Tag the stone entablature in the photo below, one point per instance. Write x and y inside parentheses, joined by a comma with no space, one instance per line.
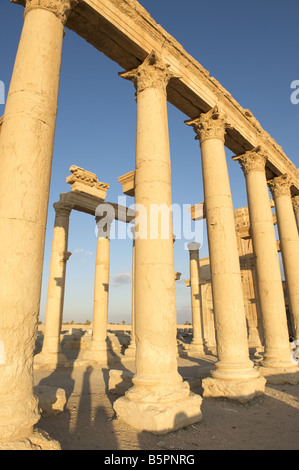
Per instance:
(128,183)
(88,204)
(194,92)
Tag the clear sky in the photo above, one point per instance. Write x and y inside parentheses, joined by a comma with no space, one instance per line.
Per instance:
(249,46)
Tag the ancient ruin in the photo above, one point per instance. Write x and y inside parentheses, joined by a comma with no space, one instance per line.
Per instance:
(238,297)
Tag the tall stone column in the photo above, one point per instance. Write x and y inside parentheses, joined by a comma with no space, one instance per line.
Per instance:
(98,351)
(234,375)
(276,363)
(280,188)
(26,147)
(131,350)
(295,200)
(159,400)
(51,354)
(197,343)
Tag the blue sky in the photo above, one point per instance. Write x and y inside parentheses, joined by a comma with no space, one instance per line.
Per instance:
(250,47)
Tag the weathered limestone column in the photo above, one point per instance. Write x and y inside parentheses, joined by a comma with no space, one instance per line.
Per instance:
(51,355)
(26,147)
(234,376)
(197,343)
(159,400)
(295,200)
(280,188)
(98,351)
(131,350)
(276,363)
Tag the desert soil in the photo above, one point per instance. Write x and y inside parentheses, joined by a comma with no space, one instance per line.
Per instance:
(270,422)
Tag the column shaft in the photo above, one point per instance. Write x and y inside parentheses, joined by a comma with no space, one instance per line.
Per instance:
(197,344)
(26,147)
(98,351)
(155,277)
(296,209)
(277,358)
(159,401)
(51,351)
(234,375)
(289,242)
(131,350)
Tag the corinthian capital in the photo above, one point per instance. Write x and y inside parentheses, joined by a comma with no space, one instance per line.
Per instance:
(211,125)
(253,160)
(62,209)
(60,8)
(280,186)
(152,73)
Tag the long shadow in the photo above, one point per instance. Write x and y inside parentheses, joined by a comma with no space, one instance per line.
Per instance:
(93,429)
(125,375)
(59,426)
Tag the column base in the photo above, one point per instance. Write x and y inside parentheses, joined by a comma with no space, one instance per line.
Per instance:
(159,418)
(240,382)
(196,349)
(98,353)
(39,440)
(48,360)
(239,390)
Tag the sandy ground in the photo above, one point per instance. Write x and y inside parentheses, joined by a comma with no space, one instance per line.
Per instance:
(270,422)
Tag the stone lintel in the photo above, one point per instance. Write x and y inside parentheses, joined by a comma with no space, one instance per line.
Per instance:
(88,204)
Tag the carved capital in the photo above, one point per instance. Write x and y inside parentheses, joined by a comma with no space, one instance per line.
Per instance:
(211,125)
(152,73)
(60,8)
(295,200)
(193,246)
(280,186)
(62,209)
(65,256)
(253,160)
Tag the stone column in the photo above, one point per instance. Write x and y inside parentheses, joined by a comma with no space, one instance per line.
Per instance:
(26,147)
(51,355)
(276,363)
(98,351)
(296,209)
(234,375)
(197,344)
(159,400)
(131,350)
(280,188)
